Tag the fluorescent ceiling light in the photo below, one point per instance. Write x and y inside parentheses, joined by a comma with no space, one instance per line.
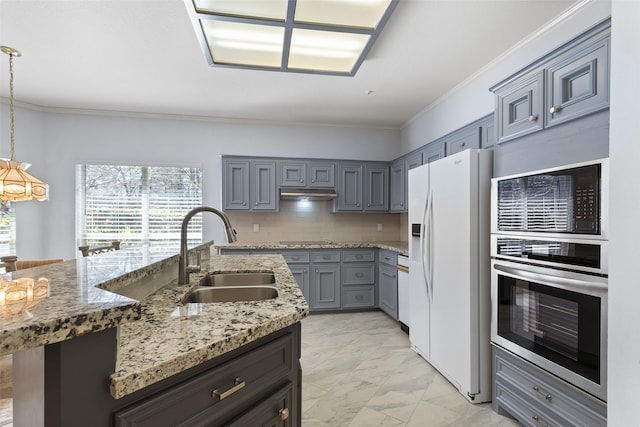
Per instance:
(309,36)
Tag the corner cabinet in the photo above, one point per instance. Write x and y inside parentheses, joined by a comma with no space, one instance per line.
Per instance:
(249,184)
(569,83)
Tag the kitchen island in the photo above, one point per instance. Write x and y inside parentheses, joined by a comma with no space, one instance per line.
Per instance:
(106,368)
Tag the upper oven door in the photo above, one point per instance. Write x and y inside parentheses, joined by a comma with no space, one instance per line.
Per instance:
(570,200)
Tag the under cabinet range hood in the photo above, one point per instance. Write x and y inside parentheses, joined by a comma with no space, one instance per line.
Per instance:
(307,193)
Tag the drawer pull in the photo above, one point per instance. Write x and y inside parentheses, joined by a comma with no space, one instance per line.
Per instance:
(533,118)
(537,390)
(238,384)
(359,256)
(359,274)
(537,420)
(283,413)
(295,258)
(326,257)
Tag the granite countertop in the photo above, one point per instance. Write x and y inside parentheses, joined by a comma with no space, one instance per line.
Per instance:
(61,301)
(171,337)
(397,246)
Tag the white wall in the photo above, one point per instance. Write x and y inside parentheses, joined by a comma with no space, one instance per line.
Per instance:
(624,284)
(472,99)
(54,142)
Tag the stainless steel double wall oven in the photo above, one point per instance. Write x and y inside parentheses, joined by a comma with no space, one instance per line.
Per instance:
(550,270)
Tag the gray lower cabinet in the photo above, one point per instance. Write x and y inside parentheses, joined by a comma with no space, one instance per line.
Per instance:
(298,262)
(389,283)
(249,184)
(258,387)
(537,398)
(325,283)
(358,278)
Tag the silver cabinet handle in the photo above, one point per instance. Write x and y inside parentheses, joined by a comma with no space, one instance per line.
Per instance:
(301,180)
(368,204)
(537,390)
(533,118)
(313,180)
(554,109)
(238,384)
(244,203)
(295,258)
(463,144)
(256,203)
(317,271)
(358,204)
(283,413)
(359,274)
(359,257)
(537,420)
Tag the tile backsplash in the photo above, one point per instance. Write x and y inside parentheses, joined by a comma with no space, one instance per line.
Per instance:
(314,221)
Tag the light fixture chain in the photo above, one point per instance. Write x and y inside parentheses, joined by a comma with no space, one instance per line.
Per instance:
(11,105)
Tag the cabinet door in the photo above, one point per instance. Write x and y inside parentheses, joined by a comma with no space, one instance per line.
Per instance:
(578,84)
(412,160)
(350,187)
(376,188)
(488,135)
(397,190)
(292,174)
(466,138)
(301,274)
(325,286)
(389,290)
(236,184)
(321,175)
(432,152)
(263,186)
(519,107)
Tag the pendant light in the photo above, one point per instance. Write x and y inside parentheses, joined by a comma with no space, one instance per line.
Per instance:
(15,183)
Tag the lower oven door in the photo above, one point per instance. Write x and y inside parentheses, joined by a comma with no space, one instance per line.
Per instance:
(555,319)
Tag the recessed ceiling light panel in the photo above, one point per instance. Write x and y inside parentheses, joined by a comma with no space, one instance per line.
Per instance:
(309,36)
(345,13)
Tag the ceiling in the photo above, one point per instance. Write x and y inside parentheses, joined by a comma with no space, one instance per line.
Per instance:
(143,56)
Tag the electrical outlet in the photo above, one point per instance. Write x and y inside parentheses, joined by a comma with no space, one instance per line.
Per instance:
(379,227)
(256,228)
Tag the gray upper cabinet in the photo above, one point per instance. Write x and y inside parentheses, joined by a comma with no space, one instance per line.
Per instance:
(569,83)
(398,182)
(235,184)
(249,184)
(519,107)
(311,174)
(376,187)
(292,174)
(487,132)
(578,83)
(321,174)
(433,151)
(349,187)
(467,137)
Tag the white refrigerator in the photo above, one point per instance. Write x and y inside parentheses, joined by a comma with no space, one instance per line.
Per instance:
(449,272)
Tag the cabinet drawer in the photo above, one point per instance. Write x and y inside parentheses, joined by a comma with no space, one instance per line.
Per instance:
(325,256)
(358,274)
(358,296)
(234,381)
(358,256)
(527,412)
(276,410)
(296,257)
(388,257)
(548,392)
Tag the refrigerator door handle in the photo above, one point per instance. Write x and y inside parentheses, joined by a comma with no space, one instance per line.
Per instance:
(423,246)
(428,246)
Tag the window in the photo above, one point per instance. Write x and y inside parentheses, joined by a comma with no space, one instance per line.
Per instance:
(141,206)
(7,229)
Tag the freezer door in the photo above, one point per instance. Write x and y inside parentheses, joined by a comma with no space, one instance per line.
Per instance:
(453,246)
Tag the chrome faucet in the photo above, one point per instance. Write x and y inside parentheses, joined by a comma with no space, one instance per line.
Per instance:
(183,263)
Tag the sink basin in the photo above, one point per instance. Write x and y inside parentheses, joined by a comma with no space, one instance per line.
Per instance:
(231,294)
(238,279)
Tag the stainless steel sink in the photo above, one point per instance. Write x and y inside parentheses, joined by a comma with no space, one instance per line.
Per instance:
(231,294)
(238,279)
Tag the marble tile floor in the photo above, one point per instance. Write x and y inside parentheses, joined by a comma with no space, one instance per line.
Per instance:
(358,371)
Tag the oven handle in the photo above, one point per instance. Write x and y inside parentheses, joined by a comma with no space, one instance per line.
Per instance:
(565,281)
